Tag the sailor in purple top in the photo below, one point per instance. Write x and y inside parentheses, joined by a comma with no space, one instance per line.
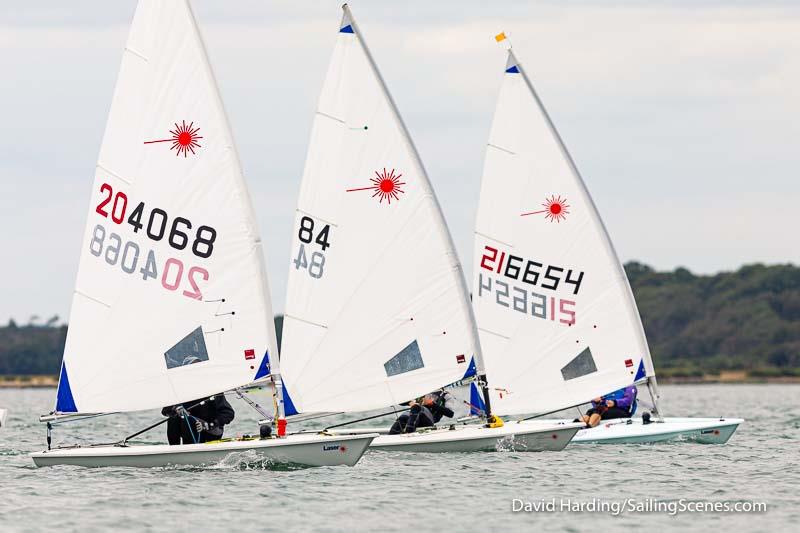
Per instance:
(618,404)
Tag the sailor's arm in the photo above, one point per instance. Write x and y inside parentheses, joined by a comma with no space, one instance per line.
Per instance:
(225,413)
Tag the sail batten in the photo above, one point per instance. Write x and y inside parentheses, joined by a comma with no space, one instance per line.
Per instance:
(172,300)
(372,258)
(557,319)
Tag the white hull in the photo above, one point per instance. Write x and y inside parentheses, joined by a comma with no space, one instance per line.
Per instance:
(304,449)
(513,436)
(619,431)
(3,415)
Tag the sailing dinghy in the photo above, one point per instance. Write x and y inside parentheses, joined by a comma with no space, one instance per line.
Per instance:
(377,309)
(171,302)
(557,319)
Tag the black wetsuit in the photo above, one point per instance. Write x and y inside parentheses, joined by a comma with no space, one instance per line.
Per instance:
(216,411)
(421,416)
(624,404)
(609,412)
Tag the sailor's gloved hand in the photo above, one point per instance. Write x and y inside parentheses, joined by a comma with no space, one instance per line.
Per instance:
(200,425)
(610,403)
(176,411)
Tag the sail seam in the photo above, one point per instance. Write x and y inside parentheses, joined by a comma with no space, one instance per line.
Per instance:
(303,211)
(493,333)
(113,174)
(495,240)
(77,291)
(331,117)
(490,145)
(137,54)
(304,320)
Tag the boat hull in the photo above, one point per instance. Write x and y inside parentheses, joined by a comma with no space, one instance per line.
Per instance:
(307,450)
(512,436)
(620,431)
(3,415)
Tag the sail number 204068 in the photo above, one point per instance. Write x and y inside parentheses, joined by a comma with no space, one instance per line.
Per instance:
(115,205)
(134,258)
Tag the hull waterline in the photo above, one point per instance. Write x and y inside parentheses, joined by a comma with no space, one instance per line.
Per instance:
(512,436)
(308,450)
(633,431)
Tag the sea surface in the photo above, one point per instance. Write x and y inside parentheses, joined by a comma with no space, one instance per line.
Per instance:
(422,492)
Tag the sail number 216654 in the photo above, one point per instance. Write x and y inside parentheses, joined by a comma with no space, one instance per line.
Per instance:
(512,278)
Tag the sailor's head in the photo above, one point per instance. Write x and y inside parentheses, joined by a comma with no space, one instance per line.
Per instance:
(430,399)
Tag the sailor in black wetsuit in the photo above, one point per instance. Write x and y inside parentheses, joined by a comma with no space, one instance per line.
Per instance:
(198,421)
(432,410)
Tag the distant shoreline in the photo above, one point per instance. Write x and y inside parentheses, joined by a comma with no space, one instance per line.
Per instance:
(730,377)
(710,380)
(28,382)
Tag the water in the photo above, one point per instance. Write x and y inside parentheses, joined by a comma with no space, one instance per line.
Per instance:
(397,491)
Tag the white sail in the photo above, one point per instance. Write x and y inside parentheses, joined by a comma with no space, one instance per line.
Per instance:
(377,310)
(557,320)
(171,301)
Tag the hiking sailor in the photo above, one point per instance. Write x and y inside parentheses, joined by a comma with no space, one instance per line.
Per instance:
(432,409)
(198,421)
(618,404)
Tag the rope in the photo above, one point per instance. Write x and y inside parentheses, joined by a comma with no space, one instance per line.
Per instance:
(478,409)
(366,418)
(78,419)
(189,425)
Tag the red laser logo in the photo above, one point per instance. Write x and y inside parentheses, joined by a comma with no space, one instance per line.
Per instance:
(555,209)
(184,139)
(385,186)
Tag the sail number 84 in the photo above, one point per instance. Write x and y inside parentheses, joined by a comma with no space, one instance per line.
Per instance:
(315,262)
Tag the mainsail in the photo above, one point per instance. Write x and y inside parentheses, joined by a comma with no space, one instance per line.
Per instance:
(377,309)
(556,316)
(171,301)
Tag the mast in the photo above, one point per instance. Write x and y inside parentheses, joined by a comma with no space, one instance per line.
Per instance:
(442,226)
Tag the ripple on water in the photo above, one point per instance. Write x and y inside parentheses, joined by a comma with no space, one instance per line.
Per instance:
(472,492)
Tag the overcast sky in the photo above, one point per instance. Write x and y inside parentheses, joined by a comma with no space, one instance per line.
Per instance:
(683,117)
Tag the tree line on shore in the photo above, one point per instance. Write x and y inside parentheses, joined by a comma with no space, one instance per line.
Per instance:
(696,324)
